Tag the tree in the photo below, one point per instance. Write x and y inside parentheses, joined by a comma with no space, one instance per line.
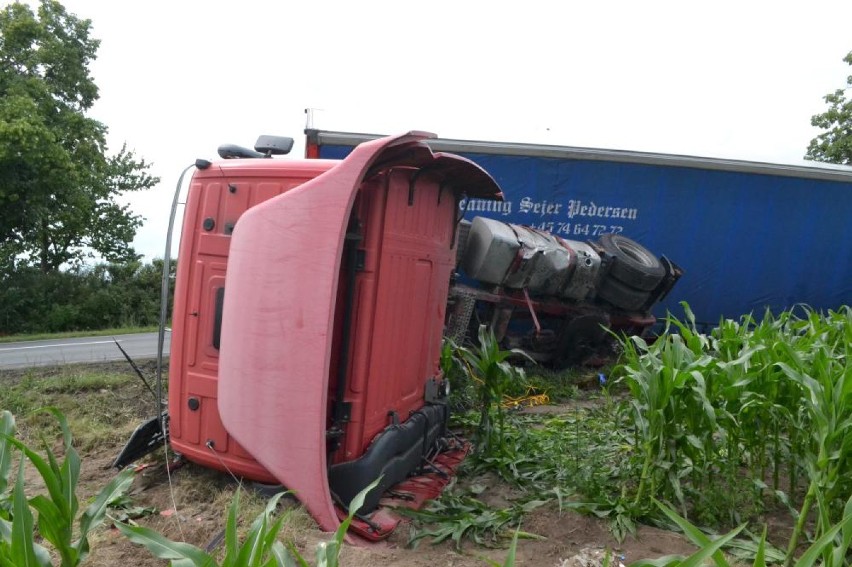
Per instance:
(58,185)
(835,144)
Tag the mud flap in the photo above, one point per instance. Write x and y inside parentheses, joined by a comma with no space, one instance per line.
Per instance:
(146,439)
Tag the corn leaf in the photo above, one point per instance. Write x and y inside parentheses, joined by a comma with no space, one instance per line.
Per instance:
(96,511)
(232,545)
(280,556)
(839,554)
(164,548)
(69,472)
(812,554)
(699,557)
(665,561)
(271,535)
(251,551)
(7,428)
(51,480)
(54,528)
(695,535)
(760,558)
(23,548)
(328,553)
(300,561)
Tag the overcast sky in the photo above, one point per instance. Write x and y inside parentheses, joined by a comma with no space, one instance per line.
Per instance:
(722,79)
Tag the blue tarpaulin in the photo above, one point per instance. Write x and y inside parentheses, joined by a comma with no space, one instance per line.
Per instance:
(746,241)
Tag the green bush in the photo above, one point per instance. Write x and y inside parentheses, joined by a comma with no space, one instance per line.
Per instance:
(90,298)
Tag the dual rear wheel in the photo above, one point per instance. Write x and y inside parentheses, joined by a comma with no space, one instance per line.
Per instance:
(635,272)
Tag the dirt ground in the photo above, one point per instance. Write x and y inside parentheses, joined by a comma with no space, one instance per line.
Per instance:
(192,505)
(202,497)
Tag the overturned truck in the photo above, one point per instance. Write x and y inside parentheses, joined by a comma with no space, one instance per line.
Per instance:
(311,299)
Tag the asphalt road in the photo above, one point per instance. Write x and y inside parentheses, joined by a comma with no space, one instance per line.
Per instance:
(85,349)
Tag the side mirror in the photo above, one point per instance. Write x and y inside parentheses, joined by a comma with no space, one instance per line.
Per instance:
(273,145)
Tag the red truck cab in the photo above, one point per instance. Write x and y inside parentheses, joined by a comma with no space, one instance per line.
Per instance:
(309,308)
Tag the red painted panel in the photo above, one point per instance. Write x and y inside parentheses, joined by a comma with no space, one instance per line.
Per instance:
(397,351)
(284,266)
(203,253)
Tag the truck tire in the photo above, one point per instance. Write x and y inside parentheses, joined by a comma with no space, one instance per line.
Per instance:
(633,264)
(621,295)
(581,339)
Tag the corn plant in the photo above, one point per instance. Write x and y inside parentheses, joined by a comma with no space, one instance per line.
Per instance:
(453,369)
(7,429)
(16,520)
(328,552)
(830,550)
(57,511)
(744,406)
(493,376)
(260,546)
(17,546)
(676,427)
(828,405)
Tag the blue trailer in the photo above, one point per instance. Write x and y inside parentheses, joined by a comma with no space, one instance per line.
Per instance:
(749,236)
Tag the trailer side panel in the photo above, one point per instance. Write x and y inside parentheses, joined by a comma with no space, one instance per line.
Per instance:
(749,236)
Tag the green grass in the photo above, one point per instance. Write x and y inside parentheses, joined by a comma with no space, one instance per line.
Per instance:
(558,385)
(102,406)
(74,334)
